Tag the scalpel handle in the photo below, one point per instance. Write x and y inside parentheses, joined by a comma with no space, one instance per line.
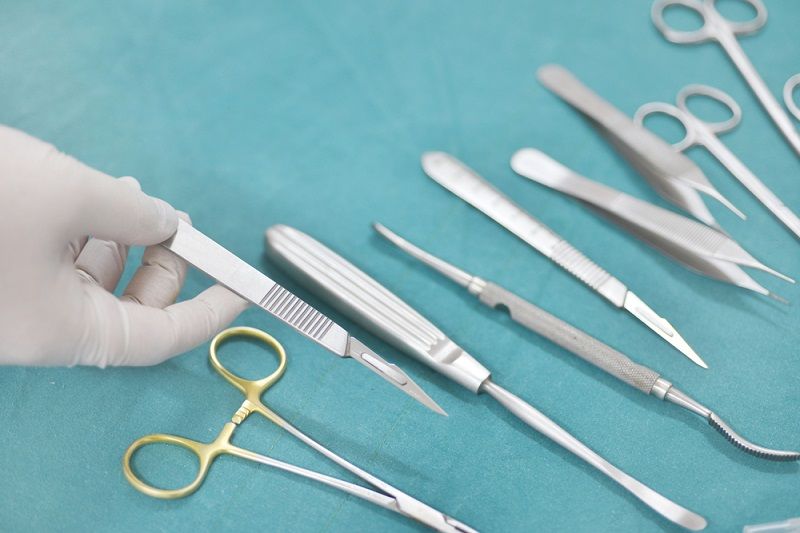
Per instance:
(370,304)
(468,185)
(570,338)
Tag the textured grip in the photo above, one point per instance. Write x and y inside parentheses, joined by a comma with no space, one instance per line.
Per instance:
(580,266)
(571,338)
(372,305)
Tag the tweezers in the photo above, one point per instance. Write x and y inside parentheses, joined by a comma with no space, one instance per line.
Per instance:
(673,175)
(695,245)
(581,344)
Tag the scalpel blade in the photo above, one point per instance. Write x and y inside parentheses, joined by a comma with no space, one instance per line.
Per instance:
(206,255)
(635,306)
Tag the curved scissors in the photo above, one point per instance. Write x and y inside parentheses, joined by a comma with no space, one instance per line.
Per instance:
(385,496)
(700,132)
(718,28)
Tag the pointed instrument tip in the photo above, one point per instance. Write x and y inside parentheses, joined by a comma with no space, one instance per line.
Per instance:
(391,373)
(778,298)
(662,327)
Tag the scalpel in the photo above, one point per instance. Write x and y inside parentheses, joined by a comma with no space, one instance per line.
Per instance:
(475,190)
(239,277)
(582,344)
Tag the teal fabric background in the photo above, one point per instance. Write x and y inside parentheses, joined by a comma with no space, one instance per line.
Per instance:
(314,114)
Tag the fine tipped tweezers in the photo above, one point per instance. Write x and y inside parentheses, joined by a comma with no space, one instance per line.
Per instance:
(211,258)
(475,190)
(695,245)
(368,302)
(673,175)
(582,344)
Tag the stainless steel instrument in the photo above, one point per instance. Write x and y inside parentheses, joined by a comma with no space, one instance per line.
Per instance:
(673,175)
(702,133)
(581,344)
(241,278)
(376,308)
(695,245)
(475,190)
(717,28)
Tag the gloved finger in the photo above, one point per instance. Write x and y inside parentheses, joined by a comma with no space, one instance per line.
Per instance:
(76,247)
(102,262)
(159,279)
(136,335)
(114,210)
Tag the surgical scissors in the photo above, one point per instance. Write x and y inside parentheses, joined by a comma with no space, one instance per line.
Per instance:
(385,495)
(703,133)
(718,28)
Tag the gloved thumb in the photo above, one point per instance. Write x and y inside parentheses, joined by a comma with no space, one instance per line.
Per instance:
(117,210)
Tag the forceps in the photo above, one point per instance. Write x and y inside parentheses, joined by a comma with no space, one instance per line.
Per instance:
(699,247)
(581,344)
(673,175)
(465,183)
(703,133)
(365,300)
(717,28)
(384,495)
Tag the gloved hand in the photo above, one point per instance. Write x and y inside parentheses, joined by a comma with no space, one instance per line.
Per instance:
(56,304)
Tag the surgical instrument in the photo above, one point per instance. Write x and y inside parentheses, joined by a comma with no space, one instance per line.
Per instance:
(673,175)
(702,133)
(718,28)
(206,255)
(788,95)
(475,190)
(689,242)
(368,302)
(383,494)
(580,343)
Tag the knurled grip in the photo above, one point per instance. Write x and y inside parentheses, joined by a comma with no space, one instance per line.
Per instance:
(580,266)
(570,338)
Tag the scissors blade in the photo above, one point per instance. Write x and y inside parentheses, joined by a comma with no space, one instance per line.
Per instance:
(206,255)
(424,513)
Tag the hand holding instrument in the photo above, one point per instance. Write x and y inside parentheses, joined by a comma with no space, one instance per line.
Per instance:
(581,344)
(699,132)
(475,190)
(383,494)
(241,278)
(376,308)
(673,175)
(695,245)
(717,28)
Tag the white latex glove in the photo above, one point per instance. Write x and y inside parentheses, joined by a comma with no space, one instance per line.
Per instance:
(56,304)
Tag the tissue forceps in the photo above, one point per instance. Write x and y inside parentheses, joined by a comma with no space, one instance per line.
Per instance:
(673,175)
(581,344)
(689,242)
(718,28)
(383,495)
(368,302)
(465,183)
(702,133)
(206,255)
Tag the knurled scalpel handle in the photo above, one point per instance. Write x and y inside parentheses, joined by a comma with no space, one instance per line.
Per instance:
(370,304)
(570,338)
